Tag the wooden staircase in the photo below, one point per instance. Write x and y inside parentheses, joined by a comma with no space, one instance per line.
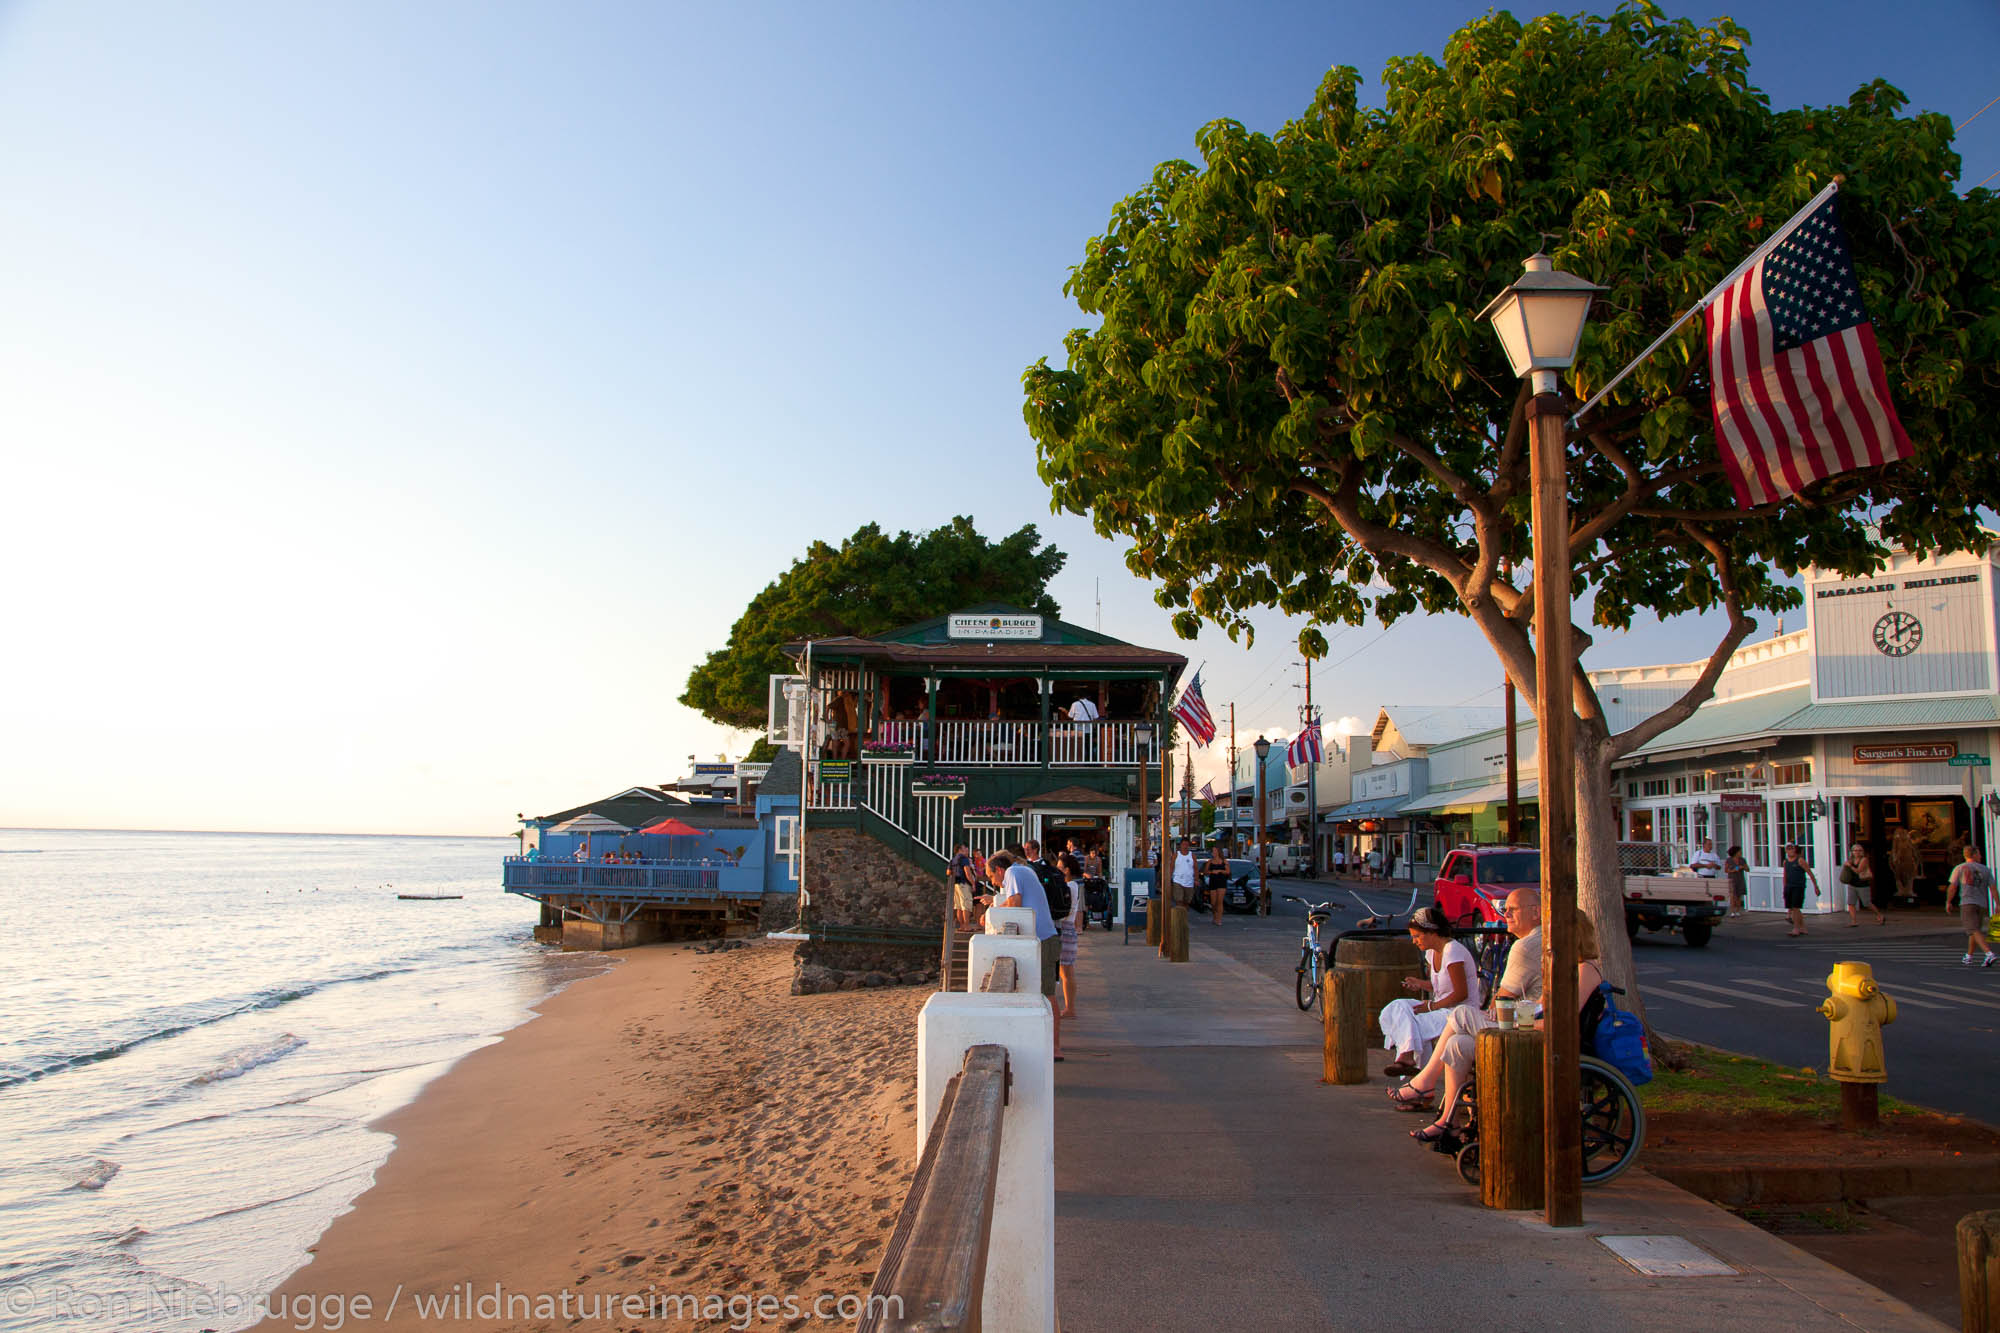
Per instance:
(957,957)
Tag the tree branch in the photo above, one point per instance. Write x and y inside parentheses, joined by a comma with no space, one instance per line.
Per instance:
(1703,688)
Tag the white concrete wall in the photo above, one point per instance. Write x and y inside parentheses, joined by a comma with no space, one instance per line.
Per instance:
(1021,1258)
(1025,950)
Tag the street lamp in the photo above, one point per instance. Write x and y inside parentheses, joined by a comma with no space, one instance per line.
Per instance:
(1263,749)
(1540,322)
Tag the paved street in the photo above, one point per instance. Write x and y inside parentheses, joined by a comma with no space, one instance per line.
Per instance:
(1753,990)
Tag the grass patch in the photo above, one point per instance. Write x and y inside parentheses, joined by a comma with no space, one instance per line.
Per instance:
(1714,1083)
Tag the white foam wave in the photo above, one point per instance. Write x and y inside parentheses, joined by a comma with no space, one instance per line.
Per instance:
(239,1063)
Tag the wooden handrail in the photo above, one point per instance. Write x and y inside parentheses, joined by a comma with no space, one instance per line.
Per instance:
(933,1276)
(1002,979)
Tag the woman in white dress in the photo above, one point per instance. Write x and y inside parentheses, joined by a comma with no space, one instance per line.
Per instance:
(1410,1026)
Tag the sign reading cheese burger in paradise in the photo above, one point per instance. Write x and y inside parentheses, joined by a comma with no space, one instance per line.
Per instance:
(991,627)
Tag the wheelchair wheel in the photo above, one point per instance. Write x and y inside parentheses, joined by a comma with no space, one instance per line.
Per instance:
(1468,1164)
(1614,1123)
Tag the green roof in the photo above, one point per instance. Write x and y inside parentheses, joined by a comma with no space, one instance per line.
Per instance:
(1735,719)
(1973,710)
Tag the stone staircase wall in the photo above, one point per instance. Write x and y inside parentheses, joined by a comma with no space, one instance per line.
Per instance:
(852,880)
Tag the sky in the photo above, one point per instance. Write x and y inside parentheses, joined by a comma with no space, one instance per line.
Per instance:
(399,399)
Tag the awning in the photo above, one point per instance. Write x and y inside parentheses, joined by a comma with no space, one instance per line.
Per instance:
(1375,809)
(1468,800)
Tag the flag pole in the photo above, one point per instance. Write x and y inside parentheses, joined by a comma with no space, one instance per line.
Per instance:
(1777,236)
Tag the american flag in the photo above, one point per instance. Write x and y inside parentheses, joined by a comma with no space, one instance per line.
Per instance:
(1797,382)
(1304,748)
(1208,791)
(1192,710)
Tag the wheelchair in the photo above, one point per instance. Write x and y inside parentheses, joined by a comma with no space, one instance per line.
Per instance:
(1614,1125)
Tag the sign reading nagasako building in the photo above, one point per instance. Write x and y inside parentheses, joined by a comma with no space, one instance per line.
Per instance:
(1908,752)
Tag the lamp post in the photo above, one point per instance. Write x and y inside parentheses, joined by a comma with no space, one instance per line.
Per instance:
(1263,749)
(1540,322)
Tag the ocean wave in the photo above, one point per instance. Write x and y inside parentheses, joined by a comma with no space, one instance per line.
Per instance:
(97,1176)
(184,1019)
(239,1063)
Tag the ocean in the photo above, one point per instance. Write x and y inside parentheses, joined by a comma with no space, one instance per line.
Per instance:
(196,1029)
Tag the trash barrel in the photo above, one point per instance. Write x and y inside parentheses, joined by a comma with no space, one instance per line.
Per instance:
(1384,958)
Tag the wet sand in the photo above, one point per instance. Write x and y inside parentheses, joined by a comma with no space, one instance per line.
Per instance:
(680,1126)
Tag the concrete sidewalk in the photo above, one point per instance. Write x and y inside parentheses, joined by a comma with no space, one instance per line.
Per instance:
(1206,1179)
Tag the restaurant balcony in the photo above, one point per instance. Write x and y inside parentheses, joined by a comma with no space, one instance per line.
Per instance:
(647,881)
(1005,743)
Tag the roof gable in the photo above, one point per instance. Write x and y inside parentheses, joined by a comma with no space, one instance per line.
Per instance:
(933,631)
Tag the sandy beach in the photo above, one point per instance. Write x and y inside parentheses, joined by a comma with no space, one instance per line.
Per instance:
(665,1146)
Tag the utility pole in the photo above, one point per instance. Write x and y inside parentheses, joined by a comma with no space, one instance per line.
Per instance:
(1233,817)
(1312,784)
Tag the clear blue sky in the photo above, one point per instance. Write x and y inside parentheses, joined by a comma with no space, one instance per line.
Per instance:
(400,398)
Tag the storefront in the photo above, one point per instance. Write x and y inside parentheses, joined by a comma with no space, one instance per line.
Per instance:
(1875,725)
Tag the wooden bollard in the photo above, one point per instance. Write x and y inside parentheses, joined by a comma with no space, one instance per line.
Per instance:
(1979,1272)
(1344,1036)
(1177,934)
(1509,1070)
(1156,917)
(1859,1106)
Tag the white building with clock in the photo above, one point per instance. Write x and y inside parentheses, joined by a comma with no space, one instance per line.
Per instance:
(1875,724)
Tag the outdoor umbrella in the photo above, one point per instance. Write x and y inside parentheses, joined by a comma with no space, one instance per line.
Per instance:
(587,824)
(672,828)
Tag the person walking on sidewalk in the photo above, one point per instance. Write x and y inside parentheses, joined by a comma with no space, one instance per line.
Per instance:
(1859,880)
(1972,884)
(1797,872)
(1737,871)
(1018,885)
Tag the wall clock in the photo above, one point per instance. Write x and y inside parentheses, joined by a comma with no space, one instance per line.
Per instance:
(1898,633)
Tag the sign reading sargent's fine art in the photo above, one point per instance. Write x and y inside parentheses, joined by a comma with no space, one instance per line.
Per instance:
(1910,752)
(994,627)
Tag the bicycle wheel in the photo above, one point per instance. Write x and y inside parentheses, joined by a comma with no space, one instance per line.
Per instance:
(1307,989)
(1614,1123)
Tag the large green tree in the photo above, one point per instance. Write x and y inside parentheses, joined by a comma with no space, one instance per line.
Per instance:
(869,583)
(1289,401)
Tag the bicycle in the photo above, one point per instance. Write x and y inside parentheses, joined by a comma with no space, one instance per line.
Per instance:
(1312,958)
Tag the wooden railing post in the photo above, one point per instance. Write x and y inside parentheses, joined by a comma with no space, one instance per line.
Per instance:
(1509,1070)
(1344,1027)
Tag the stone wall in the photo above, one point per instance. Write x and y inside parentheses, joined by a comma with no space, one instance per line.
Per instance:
(854,880)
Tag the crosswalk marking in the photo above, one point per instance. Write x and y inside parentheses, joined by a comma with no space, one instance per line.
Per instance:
(1817,988)
(1901,995)
(1739,994)
(1897,990)
(1662,993)
(1974,992)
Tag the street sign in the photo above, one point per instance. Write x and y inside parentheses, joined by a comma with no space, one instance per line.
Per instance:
(1969,761)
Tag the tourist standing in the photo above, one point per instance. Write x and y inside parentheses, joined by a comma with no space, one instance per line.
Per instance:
(1705,862)
(1737,871)
(1067,928)
(1019,886)
(1972,884)
(1797,872)
(960,877)
(1857,878)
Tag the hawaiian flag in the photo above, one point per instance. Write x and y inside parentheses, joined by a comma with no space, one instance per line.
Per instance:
(1192,711)
(1304,748)
(1795,376)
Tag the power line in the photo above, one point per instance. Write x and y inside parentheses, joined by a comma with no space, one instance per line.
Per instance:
(1975,116)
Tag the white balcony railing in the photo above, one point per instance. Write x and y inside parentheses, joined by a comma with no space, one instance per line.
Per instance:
(1099,743)
(996,743)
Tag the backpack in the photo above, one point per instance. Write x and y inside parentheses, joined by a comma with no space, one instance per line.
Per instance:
(1055,887)
(1620,1039)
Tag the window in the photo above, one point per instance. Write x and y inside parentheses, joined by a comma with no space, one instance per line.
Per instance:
(1699,782)
(1700,824)
(1653,787)
(1681,786)
(1680,835)
(1791,775)
(1758,822)
(785,829)
(1795,825)
(1639,825)
(1455,866)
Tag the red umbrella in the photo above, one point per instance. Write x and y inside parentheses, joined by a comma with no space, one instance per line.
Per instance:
(672,828)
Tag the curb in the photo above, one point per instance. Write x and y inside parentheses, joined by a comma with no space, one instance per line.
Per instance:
(1739,1185)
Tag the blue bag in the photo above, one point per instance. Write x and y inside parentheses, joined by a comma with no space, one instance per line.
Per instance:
(1620,1040)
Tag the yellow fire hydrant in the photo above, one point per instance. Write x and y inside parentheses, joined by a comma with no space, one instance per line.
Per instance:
(1858,1011)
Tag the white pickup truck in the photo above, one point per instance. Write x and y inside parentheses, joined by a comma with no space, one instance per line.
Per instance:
(1682,900)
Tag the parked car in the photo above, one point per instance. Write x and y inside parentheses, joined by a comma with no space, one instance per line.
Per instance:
(1238,895)
(1684,901)
(1474,881)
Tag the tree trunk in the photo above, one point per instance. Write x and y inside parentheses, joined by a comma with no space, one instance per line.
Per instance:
(1600,883)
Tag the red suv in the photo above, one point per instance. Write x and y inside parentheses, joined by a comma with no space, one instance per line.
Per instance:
(1475,881)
